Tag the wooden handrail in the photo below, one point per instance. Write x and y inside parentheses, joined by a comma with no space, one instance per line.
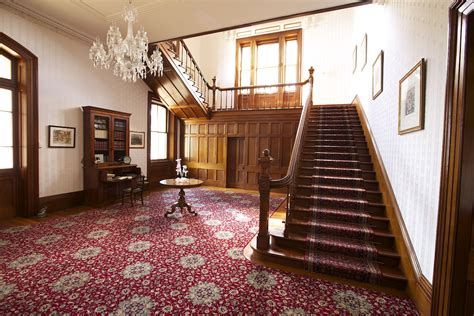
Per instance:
(276,85)
(298,145)
(265,182)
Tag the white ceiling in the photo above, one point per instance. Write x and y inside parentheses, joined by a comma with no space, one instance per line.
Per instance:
(167,19)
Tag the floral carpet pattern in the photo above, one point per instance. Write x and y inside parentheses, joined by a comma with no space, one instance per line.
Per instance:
(127,261)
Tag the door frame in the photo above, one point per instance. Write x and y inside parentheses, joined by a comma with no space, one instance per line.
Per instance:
(29,163)
(451,259)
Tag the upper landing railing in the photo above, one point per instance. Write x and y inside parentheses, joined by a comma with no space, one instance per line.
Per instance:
(257,97)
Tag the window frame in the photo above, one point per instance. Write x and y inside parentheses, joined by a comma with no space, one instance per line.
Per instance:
(254,41)
(12,84)
(156,102)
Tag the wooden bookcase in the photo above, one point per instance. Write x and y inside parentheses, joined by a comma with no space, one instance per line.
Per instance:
(106,142)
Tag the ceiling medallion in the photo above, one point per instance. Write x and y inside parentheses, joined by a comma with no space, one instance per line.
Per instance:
(129,56)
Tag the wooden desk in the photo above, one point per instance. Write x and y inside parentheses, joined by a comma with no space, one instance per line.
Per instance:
(98,188)
(191,183)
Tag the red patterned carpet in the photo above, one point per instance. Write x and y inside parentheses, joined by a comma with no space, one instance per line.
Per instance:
(134,261)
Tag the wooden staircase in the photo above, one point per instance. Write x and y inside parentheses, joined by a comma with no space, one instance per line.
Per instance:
(336,223)
(182,88)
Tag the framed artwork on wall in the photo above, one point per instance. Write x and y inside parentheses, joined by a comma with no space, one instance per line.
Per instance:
(61,137)
(354,59)
(411,99)
(363,52)
(377,76)
(137,139)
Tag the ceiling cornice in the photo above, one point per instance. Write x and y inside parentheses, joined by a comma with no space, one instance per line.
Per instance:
(52,24)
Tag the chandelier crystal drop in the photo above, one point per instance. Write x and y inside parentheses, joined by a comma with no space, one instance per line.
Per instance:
(129,56)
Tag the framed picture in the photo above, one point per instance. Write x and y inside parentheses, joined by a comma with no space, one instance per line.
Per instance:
(411,99)
(363,52)
(61,136)
(377,76)
(137,139)
(354,60)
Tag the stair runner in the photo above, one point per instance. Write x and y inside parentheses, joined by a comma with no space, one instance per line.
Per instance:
(337,215)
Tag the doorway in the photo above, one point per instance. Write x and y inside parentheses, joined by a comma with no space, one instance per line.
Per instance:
(19,176)
(236,162)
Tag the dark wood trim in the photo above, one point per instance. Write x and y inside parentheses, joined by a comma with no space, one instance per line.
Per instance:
(452,293)
(284,17)
(62,201)
(419,288)
(29,171)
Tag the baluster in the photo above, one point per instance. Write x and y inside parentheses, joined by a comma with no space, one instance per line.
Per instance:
(214,92)
(264,178)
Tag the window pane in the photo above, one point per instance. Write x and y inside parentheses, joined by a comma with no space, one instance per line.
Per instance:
(162,118)
(245,78)
(245,58)
(154,117)
(5,100)
(290,74)
(267,76)
(5,67)
(291,53)
(267,55)
(6,129)
(6,157)
(162,146)
(154,146)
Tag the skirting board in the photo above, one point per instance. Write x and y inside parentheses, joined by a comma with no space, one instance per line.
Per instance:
(419,288)
(62,201)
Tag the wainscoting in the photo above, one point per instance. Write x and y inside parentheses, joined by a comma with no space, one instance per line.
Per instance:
(223,151)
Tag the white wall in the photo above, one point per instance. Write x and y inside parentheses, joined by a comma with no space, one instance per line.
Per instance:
(407,31)
(67,81)
(327,46)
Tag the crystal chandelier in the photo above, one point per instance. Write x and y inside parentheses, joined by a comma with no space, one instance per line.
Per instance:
(128,56)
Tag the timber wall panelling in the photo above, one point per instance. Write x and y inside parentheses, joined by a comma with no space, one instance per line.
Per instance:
(239,138)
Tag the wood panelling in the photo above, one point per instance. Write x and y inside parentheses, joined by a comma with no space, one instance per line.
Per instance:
(62,201)
(8,196)
(223,151)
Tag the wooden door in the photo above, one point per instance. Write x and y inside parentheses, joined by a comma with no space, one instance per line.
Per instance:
(9,136)
(236,173)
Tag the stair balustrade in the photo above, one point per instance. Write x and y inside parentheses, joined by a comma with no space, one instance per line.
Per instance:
(266,183)
(215,98)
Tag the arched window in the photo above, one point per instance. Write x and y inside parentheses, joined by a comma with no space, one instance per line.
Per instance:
(8,111)
(158,132)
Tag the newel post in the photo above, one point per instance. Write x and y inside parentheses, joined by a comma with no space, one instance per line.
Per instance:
(311,81)
(214,93)
(263,237)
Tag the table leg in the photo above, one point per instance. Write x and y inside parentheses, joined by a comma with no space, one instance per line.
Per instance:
(181,204)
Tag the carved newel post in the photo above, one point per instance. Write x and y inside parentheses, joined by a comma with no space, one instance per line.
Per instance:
(263,238)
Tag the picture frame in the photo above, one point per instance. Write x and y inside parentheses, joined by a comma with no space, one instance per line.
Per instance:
(363,51)
(354,60)
(411,99)
(61,136)
(137,139)
(377,76)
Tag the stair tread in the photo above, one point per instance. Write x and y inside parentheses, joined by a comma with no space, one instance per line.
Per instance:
(336,168)
(297,254)
(340,211)
(344,188)
(337,199)
(337,178)
(342,225)
(329,239)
